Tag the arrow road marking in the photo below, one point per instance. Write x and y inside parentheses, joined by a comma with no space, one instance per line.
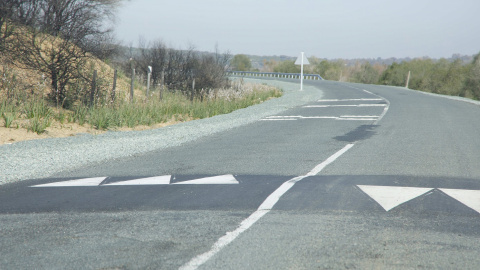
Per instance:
(156,180)
(470,198)
(86,182)
(391,197)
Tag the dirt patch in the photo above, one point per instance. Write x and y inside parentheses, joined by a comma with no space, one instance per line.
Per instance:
(57,130)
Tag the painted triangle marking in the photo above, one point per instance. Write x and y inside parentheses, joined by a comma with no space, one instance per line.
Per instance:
(390,197)
(156,180)
(85,182)
(215,180)
(470,198)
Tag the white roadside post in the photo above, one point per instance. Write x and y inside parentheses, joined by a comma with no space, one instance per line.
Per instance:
(301,60)
(148,79)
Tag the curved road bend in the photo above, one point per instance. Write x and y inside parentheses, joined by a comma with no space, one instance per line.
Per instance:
(367,177)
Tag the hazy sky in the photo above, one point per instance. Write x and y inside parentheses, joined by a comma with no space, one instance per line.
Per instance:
(321,28)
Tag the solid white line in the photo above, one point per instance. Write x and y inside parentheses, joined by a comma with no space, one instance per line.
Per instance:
(351,99)
(368,92)
(329,160)
(356,119)
(359,116)
(284,116)
(343,117)
(385,110)
(319,117)
(223,241)
(345,105)
(264,208)
(286,119)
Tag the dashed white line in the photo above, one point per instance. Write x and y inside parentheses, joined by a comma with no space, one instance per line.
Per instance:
(264,208)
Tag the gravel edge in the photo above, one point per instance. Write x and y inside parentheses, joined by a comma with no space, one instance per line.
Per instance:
(42,158)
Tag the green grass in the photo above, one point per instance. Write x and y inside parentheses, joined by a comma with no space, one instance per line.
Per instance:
(147,112)
(38,125)
(174,105)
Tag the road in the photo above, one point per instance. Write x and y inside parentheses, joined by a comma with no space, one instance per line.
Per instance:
(367,177)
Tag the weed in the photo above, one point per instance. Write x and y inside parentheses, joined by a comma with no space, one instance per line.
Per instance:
(37,108)
(38,125)
(60,116)
(100,118)
(80,115)
(8,118)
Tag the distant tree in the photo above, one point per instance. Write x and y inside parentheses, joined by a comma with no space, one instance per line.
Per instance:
(155,55)
(241,62)
(268,65)
(472,83)
(287,67)
(365,73)
(329,70)
(395,74)
(211,70)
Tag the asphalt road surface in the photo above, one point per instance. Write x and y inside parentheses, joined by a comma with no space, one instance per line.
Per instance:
(368,177)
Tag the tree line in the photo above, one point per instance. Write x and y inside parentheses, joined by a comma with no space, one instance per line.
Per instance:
(450,77)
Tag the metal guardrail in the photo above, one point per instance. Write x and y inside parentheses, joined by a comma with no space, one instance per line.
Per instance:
(274,75)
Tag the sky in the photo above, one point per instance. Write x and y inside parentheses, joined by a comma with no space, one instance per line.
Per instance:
(323,28)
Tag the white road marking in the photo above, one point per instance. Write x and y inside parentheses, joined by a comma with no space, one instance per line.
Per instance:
(368,92)
(221,179)
(385,110)
(279,119)
(350,99)
(85,182)
(360,116)
(390,197)
(345,105)
(470,198)
(343,117)
(156,180)
(264,208)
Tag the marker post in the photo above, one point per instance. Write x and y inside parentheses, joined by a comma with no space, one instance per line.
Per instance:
(301,60)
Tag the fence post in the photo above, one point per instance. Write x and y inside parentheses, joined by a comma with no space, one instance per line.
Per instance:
(94,87)
(408,79)
(193,90)
(149,73)
(114,85)
(162,84)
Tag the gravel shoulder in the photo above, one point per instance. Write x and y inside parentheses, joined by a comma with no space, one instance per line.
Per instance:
(42,158)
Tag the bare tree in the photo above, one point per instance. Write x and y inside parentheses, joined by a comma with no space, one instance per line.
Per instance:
(14,12)
(212,70)
(154,55)
(59,42)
